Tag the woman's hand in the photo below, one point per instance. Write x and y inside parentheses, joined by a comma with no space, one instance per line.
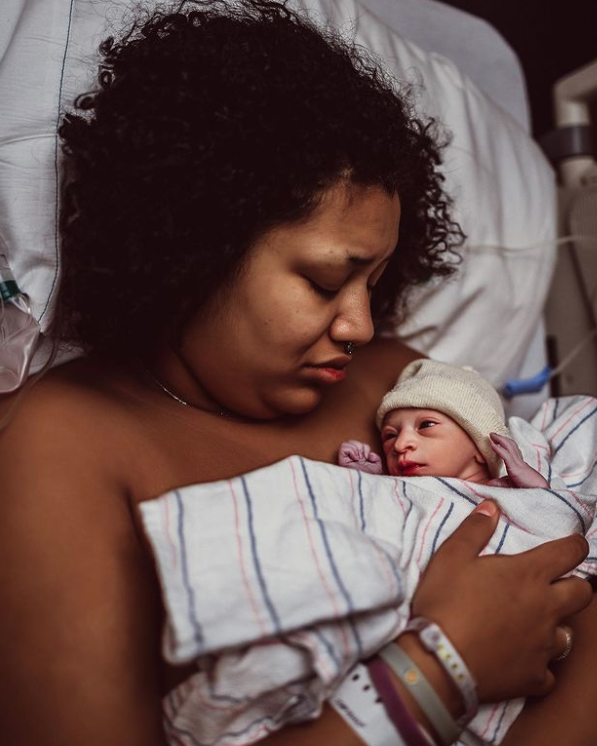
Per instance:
(502,612)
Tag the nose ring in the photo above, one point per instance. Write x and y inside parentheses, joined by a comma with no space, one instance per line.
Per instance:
(349,348)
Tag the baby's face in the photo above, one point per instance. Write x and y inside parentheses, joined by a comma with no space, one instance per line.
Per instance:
(424,442)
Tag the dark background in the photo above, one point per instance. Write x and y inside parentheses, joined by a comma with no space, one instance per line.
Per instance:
(551,40)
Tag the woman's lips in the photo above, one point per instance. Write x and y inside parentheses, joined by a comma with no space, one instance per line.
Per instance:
(325,373)
(328,371)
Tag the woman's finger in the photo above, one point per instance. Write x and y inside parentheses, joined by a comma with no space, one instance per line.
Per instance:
(573,595)
(545,686)
(557,557)
(472,535)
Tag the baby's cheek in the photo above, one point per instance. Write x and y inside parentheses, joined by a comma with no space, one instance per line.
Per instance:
(391,463)
(387,446)
(392,471)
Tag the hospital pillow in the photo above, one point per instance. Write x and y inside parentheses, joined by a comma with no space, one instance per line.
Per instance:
(503,188)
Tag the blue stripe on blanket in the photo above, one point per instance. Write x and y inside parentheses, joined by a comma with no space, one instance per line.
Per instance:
(572,508)
(575,428)
(577,484)
(503,538)
(441,525)
(361,501)
(458,492)
(330,556)
(494,737)
(555,409)
(327,645)
(410,502)
(257,564)
(197,632)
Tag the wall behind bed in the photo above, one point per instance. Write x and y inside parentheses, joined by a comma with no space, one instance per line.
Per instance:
(549,43)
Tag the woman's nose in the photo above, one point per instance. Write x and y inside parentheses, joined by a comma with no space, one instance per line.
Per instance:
(353,322)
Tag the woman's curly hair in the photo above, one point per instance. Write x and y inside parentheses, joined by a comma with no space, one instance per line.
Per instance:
(211,124)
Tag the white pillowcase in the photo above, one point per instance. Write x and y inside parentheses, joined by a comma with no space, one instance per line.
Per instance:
(503,187)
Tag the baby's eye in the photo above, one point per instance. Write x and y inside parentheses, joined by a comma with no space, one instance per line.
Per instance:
(425,424)
(388,435)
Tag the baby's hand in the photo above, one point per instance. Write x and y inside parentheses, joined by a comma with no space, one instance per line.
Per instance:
(357,455)
(520,474)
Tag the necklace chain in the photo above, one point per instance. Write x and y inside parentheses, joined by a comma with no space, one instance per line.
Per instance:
(172,395)
(349,348)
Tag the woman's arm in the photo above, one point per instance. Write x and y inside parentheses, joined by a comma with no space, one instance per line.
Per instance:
(80,618)
(502,613)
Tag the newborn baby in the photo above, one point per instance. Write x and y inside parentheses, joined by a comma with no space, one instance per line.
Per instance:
(443,421)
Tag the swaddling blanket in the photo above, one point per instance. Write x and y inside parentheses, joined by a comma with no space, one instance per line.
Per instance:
(278,581)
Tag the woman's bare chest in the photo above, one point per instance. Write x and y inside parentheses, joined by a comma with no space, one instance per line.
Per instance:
(185,449)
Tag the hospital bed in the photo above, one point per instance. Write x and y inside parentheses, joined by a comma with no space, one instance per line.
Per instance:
(491,316)
(571,310)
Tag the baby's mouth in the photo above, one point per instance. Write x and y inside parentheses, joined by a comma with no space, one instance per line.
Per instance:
(408,468)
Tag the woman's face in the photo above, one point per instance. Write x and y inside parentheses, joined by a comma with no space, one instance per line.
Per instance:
(273,342)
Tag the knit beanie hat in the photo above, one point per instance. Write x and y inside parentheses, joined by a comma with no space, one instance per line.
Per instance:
(461,393)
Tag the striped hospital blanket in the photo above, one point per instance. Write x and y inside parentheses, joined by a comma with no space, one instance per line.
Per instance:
(276,582)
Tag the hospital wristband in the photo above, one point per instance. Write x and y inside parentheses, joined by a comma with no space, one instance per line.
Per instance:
(357,702)
(404,721)
(435,641)
(422,692)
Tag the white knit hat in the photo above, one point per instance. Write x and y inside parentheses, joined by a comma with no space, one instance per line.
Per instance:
(461,393)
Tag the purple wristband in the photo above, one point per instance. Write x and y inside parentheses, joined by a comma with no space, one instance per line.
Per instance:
(401,718)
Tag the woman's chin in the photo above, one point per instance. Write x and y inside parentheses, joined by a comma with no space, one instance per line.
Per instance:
(295,402)
(271,405)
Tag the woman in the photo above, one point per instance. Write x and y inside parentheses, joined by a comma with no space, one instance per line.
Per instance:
(230,225)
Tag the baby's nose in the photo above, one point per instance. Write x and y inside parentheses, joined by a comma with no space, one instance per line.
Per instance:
(405,441)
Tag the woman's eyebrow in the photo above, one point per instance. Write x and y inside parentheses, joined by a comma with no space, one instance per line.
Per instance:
(360,261)
(364,261)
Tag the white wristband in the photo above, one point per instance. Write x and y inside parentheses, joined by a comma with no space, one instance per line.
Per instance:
(357,702)
(435,641)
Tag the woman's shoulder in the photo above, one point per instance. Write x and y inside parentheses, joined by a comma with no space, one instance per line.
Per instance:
(381,362)
(97,427)
(74,388)
(71,416)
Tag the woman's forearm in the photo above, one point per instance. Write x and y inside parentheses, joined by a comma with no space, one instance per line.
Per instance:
(331,728)
(568,715)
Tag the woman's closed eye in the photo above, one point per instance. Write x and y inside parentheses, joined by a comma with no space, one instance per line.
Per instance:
(325,292)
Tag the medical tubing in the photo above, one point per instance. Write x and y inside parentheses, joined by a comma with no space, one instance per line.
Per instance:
(31,381)
(517,386)
(8,285)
